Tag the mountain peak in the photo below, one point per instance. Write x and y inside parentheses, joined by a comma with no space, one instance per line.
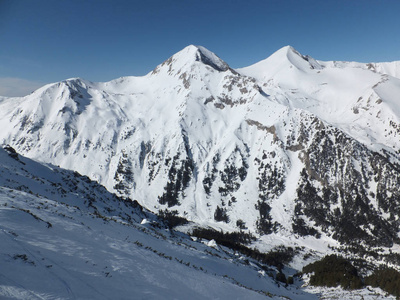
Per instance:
(210,58)
(287,49)
(190,55)
(283,59)
(297,59)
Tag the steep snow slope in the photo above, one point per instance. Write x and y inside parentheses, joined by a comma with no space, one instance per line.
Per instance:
(289,147)
(360,99)
(65,237)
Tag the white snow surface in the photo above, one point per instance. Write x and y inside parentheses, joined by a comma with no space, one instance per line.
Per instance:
(345,94)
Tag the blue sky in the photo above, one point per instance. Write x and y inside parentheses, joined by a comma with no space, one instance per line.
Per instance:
(45,41)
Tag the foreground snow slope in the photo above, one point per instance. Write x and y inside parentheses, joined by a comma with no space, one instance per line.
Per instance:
(57,243)
(63,236)
(289,147)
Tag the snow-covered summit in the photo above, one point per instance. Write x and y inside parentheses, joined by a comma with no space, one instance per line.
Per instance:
(283,59)
(301,62)
(211,59)
(189,57)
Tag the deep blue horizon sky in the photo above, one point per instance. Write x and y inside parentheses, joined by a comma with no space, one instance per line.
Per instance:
(45,41)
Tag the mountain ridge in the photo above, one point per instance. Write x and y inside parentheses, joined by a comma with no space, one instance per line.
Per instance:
(232,148)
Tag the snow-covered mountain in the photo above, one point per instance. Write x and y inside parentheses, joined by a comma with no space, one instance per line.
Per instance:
(288,147)
(64,236)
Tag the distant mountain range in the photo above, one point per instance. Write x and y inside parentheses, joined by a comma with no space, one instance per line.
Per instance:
(291,149)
